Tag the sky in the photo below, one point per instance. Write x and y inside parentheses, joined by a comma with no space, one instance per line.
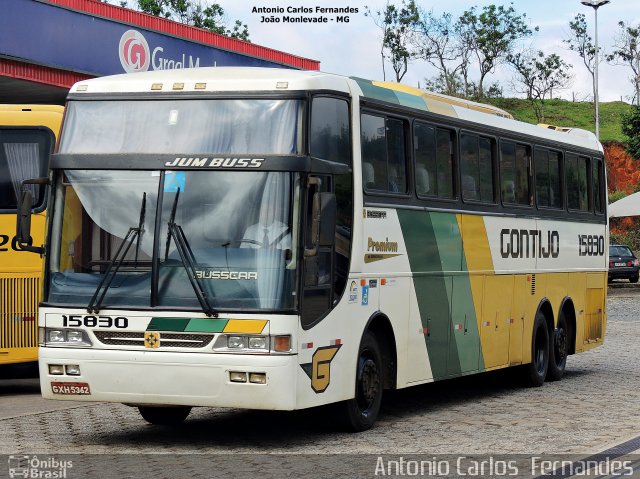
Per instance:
(353,48)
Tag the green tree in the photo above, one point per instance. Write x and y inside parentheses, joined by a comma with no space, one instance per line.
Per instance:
(192,12)
(580,42)
(539,76)
(627,53)
(631,128)
(398,25)
(437,43)
(491,36)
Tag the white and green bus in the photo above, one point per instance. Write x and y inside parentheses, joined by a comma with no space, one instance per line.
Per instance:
(273,239)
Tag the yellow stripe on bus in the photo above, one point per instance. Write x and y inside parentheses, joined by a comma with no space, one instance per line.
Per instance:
(250,326)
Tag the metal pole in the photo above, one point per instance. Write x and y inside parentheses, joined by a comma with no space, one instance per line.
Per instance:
(596,79)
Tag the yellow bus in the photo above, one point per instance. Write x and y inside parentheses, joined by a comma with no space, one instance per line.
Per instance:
(270,239)
(27,137)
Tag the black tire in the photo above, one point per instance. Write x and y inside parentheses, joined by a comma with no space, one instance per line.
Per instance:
(537,369)
(361,412)
(164,415)
(634,279)
(558,349)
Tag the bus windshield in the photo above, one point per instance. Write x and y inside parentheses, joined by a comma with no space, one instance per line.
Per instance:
(230,233)
(235,126)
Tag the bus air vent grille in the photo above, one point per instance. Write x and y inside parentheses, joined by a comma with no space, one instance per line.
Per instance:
(533,285)
(167,340)
(19,312)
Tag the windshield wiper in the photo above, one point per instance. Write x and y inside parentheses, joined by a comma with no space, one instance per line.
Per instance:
(118,259)
(187,258)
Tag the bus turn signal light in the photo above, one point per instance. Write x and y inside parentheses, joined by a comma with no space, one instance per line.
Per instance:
(282,344)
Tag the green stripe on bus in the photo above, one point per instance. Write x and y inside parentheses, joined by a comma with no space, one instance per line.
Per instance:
(200,325)
(168,324)
(188,325)
(411,101)
(372,91)
(434,246)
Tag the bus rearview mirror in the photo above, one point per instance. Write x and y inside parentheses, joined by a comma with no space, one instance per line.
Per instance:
(23,240)
(24,217)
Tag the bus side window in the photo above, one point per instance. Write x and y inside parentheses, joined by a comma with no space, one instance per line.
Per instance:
(477,165)
(548,185)
(542,177)
(374,154)
(577,181)
(486,167)
(384,165)
(469,153)
(433,150)
(598,186)
(396,155)
(445,162)
(514,173)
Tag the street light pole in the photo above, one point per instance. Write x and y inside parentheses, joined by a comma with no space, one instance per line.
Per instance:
(595,4)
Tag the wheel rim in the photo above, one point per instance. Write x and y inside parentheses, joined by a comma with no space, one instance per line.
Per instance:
(540,353)
(368,383)
(560,345)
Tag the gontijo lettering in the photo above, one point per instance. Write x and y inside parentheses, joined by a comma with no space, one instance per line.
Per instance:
(521,243)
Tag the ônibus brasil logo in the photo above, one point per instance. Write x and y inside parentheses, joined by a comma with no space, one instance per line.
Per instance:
(134,52)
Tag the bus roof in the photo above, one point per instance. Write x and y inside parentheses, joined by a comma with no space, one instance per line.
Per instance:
(238,79)
(49,116)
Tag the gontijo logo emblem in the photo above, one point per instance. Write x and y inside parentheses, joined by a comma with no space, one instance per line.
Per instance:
(134,52)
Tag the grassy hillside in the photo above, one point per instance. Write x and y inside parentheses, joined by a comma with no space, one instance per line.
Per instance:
(567,113)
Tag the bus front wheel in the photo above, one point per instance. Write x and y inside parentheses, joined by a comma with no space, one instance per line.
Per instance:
(164,415)
(537,369)
(362,411)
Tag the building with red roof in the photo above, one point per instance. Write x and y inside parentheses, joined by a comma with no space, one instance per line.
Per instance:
(48,45)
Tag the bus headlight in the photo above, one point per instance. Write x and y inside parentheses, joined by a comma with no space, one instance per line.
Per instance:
(258,344)
(56,336)
(236,342)
(66,337)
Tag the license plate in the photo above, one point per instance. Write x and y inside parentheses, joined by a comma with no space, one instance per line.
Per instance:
(619,264)
(73,389)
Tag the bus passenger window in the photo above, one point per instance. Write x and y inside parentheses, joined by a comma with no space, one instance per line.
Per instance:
(469,166)
(383,154)
(486,168)
(444,152)
(374,155)
(542,177)
(433,149)
(598,186)
(548,184)
(555,185)
(514,173)
(476,163)
(397,173)
(577,181)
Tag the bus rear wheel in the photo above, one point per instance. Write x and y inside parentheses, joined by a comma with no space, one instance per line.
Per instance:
(558,350)
(164,415)
(361,412)
(537,369)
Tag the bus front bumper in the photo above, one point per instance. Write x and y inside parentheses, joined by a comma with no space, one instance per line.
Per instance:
(164,378)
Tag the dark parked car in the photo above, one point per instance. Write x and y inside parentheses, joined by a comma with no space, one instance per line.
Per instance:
(622,263)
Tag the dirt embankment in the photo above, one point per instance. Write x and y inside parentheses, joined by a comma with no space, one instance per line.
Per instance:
(623,173)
